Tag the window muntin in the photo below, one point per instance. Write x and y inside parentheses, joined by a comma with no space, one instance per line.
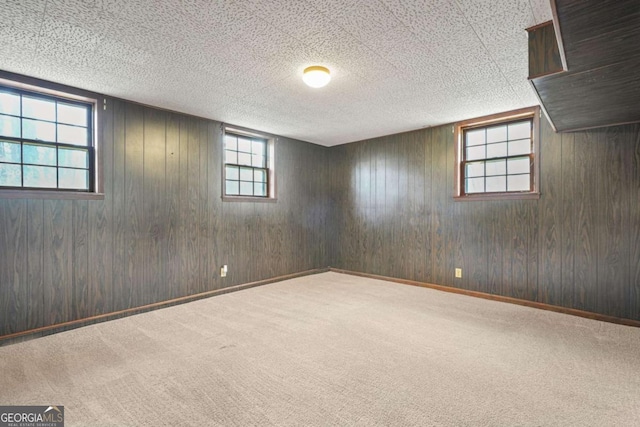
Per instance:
(496,156)
(246,165)
(46,142)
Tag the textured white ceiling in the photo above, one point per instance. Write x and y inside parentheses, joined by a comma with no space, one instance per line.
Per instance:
(397,65)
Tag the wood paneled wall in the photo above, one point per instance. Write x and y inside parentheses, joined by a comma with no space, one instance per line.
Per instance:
(162,230)
(382,206)
(578,246)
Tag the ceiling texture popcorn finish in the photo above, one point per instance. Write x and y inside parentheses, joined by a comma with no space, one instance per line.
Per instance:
(396,65)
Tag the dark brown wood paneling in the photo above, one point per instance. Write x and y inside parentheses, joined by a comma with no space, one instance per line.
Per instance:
(495,250)
(568,218)
(101,232)
(13,245)
(393,211)
(553,250)
(602,50)
(390,210)
(440,200)
(173,272)
(58,261)
(613,168)
(34,301)
(154,229)
(80,257)
(192,203)
(550,217)
(544,54)
(586,208)
(214,193)
(204,238)
(601,32)
(162,230)
(569,98)
(634,227)
(134,278)
(423,186)
(120,293)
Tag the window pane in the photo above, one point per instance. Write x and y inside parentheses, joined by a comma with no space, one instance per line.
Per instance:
(73,158)
(519,165)
(497,150)
(244,159)
(76,179)
(474,153)
(520,130)
(10,175)
(231,157)
(9,152)
(43,131)
(475,137)
(10,126)
(39,176)
(72,114)
(244,144)
(258,147)
(39,155)
(232,188)
(474,185)
(496,183)
(231,142)
(246,174)
(497,134)
(496,167)
(259,175)
(258,161)
(259,189)
(36,108)
(474,169)
(231,172)
(246,188)
(519,182)
(9,103)
(72,135)
(522,146)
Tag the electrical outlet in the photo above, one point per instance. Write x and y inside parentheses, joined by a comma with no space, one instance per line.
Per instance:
(223,271)
(458,273)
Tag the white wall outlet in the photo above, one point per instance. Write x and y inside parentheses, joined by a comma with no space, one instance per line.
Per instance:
(458,273)
(223,271)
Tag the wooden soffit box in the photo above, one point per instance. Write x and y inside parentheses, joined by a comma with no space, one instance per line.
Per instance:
(589,76)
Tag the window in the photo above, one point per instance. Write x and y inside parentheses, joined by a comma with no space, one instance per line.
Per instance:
(248,165)
(46,142)
(496,156)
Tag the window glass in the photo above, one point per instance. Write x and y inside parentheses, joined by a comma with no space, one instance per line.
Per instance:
(497,157)
(46,141)
(246,170)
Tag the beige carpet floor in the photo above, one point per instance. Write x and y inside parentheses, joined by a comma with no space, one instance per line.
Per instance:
(333,349)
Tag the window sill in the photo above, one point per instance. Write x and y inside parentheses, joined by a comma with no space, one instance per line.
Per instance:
(497,196)
(249,199)
(54,195)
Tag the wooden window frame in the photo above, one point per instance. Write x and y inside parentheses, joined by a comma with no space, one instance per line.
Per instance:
(37,87)
(532,113)
(270,153)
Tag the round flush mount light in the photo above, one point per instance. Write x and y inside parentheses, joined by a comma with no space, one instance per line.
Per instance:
(316,76)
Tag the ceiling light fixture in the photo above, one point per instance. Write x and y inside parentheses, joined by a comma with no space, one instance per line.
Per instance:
(316,76)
